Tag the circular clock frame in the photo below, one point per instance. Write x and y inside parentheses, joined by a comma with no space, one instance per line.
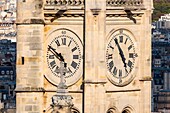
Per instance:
(70,46)
(121,57)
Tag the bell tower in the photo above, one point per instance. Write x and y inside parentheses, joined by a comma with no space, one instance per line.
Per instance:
(106,45)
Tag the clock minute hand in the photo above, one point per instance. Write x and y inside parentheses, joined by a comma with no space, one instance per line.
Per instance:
(121,53)
(58,55)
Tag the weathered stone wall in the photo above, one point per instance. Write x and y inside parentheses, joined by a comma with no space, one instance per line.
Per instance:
(30,27)
(99,95)
(29,68)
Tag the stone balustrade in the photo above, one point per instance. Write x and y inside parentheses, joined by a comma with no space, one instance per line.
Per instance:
(124,2)
(65,2)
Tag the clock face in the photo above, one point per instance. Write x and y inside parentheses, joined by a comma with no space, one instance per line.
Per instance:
(121,57)
(66,44)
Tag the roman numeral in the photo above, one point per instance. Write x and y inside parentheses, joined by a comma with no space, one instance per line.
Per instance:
(74,64)
(115,71)
(111,64)
(120,80)
(120,73)
(129,47)
(51,56)
(69,43)
(53,64)
(110,56)
(131,55)
(75,56)
(126,40)
(63,41)
(57,42)
(111,47)
(74,49)
(121,39)
(129,63)
(69,70)
(57,70)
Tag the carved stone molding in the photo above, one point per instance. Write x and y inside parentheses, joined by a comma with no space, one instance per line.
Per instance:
(95,11)
(124,2)
(30,89)
(123,15)
(65,2)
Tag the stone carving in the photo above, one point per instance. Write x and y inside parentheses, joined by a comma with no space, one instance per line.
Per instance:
(65,2)
(62,101)
(124,2)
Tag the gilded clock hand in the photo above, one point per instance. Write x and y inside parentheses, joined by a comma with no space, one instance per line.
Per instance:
(121,54)
(58,55)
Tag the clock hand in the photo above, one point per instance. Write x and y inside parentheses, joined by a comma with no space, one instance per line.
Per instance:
(121,54)
(58,55)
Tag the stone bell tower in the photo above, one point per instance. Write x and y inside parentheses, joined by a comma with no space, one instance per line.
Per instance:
(106,45)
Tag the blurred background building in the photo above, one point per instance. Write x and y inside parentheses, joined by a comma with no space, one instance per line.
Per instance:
(7,19)
(163,22)
(161,65)
(7,56)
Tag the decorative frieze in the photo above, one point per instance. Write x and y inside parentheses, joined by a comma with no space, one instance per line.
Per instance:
(65,2)
(124,2)
(108,2)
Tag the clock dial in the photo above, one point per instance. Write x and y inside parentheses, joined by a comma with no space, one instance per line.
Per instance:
(65,46)
(121,57)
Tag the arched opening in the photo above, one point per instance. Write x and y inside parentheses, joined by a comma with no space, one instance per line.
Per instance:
(74,110)
(51,110)
(112,110)
(126,111)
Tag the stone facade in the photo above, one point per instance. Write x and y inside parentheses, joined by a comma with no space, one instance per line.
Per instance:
(92,22)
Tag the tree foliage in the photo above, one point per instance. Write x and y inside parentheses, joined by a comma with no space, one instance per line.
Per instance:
(161,7)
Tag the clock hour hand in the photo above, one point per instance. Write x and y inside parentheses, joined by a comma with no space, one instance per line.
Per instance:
(121,53)
(58,55)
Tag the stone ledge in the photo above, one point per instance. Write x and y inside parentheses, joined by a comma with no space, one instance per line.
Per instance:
(94,82)
(64,7)
(147,78)
(30,89)
(128,90)
(70,91)
(31,21)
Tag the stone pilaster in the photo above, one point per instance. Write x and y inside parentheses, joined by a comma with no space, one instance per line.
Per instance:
(145,62)
(30,26)
(95,15)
